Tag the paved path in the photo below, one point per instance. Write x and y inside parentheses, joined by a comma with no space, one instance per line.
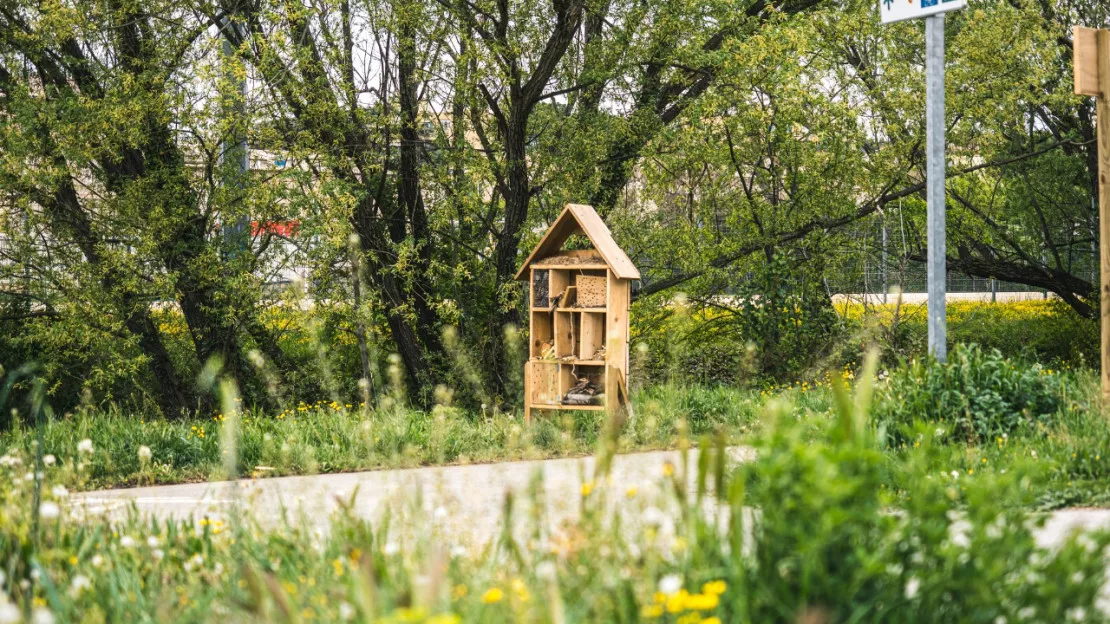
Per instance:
(471,497)
(469,500)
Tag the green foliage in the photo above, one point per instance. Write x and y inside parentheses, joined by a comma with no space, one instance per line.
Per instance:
(804,531)
(978,394)
(777,324)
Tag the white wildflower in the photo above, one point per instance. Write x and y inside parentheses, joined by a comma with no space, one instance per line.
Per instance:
(670,584)
(652,516)
(346,611)
(49,510)
(127,541)
(546,570)
(49,460)
(59,491)
(42,615)
(158,554)
(144,453)
(85,447)
(153,541)
(1077,614)
(1000,619)
(1027,613)
(391,548)
(97,561)
(79,584)
(912,587)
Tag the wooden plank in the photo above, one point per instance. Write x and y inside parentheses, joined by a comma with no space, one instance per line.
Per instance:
(544,383)
(1085,60)
(626,399)
(564,334)
(602,239)
(528,392)
(616,332)
(592,335)
(576,267)
(1102,113)
(557,282)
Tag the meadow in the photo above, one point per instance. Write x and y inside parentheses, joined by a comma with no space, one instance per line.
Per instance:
(801,533)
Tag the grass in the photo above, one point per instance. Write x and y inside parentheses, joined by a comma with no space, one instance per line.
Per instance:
(823,547)
(1074,451)
(333,437)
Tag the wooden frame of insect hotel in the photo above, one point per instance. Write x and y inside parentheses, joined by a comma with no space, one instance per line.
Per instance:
(578,317)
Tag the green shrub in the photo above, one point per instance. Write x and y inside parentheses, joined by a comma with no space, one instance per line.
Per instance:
(978,393)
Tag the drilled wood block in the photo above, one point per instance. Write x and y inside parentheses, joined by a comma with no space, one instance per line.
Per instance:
(591,291)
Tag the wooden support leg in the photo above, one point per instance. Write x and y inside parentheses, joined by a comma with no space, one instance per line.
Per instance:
(1102,113)
(528,393)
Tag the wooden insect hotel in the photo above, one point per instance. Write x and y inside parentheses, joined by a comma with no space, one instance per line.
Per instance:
(578,317)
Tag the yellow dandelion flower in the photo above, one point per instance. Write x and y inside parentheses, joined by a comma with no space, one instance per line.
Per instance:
(676,603)
(520,589)
(630,492)
(652,611)
(702,602)
(587,487)
(492,595)
(714,587)
(668,469)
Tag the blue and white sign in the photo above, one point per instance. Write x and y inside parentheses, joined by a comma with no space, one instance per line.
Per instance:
(898,10)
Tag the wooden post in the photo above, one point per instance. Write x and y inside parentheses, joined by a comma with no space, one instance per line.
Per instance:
(1092,77)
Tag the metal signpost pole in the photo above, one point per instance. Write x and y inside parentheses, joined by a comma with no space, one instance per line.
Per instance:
(934,178)
(933,11)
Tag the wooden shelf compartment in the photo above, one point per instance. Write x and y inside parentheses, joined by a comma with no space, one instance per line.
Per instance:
(543,379)
(542,332)
(566,334)
(550,380)
(591,335)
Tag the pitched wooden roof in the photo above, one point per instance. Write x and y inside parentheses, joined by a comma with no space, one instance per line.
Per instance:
(582,218)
